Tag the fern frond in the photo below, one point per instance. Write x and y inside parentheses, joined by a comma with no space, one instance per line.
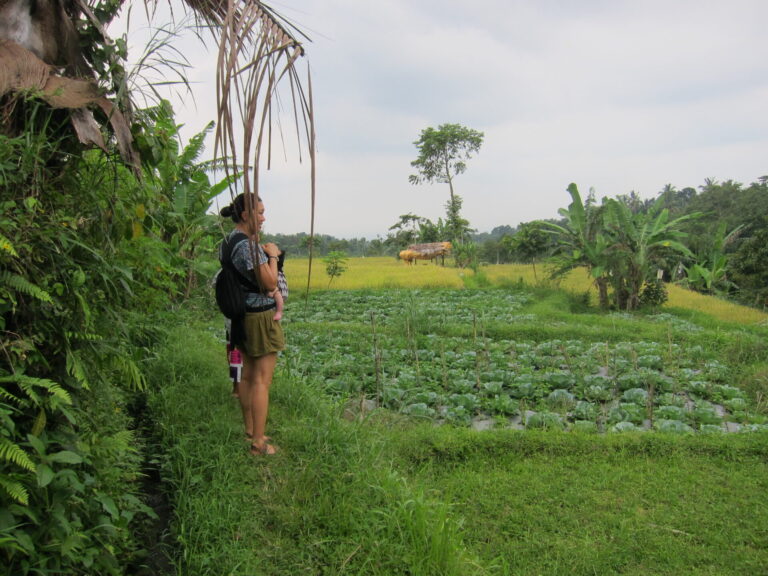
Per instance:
(122,441)
(76,369)
(7,246)
(84,307)
(60,394)
(14,489)
(6,396)
(29,383)
(84,336)
(40,422)
(195,147)
(10,452)
(12,281)
(131,373)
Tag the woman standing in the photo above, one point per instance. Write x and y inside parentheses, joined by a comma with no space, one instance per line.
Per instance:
(263,335)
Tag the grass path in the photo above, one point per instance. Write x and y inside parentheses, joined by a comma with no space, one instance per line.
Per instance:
(329,503)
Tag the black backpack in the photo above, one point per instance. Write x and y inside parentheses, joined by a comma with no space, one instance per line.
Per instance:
(229,284)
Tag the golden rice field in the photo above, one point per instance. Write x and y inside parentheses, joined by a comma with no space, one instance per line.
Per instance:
(387,272)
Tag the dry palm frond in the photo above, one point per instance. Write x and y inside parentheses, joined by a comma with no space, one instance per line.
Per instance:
(21,71)
(258,54)
(161,64)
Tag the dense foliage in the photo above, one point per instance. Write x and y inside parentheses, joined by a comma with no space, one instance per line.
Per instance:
(104,216)
(91,257)
(621,248)
(734,254)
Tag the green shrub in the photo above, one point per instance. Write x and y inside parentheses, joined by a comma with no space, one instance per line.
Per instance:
(653,294)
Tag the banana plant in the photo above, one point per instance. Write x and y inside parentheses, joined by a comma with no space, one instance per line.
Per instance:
(582,242)
(183,184)
(709,275)
(639,242)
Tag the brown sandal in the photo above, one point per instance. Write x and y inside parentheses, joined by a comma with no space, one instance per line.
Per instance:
(266,449)
(249,438)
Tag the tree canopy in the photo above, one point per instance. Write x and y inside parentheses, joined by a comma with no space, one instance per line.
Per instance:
(443,153)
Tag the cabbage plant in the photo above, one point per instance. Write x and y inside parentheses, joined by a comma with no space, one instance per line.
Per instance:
(672,426)
(560,400)
(545,420)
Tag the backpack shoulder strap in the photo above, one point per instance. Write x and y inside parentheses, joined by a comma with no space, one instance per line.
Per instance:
(228,246)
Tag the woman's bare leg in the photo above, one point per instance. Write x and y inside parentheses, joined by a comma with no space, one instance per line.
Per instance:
(244,389)
(263,370)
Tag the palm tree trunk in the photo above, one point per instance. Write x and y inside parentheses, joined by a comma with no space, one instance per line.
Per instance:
(602,292)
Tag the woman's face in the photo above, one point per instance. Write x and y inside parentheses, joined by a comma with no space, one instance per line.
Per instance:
(259,216)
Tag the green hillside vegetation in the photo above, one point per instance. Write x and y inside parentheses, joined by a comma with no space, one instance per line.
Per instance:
(721,229)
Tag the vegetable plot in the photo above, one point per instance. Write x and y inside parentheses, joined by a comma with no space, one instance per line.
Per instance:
(463,357)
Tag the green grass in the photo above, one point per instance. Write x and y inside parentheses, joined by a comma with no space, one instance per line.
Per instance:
(569,504)
(376,493)
(330,503)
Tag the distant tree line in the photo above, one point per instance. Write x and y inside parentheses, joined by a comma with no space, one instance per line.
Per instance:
(299,245)
(721,230)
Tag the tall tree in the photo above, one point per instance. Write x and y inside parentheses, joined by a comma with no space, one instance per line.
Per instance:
(676,200)
(443,154)
(456,225)
(749,269)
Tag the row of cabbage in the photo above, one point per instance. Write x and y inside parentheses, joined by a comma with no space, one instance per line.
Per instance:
(557,384)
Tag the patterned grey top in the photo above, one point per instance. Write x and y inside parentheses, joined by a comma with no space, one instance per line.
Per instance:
(243,261)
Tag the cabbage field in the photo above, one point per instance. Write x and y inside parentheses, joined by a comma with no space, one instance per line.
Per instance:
(504,359)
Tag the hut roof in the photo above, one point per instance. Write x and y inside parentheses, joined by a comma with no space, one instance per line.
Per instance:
(431,248)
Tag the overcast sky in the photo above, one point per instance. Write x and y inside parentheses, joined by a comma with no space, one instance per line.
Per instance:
(614,95)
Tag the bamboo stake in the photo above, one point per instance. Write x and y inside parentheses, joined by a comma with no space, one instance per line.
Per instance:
(377,360)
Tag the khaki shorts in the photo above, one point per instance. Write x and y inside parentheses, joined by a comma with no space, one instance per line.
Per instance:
(262,334)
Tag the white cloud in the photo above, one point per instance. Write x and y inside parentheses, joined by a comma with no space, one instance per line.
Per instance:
(617,95)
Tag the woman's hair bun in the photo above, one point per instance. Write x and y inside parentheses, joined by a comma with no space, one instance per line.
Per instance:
(236,209)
